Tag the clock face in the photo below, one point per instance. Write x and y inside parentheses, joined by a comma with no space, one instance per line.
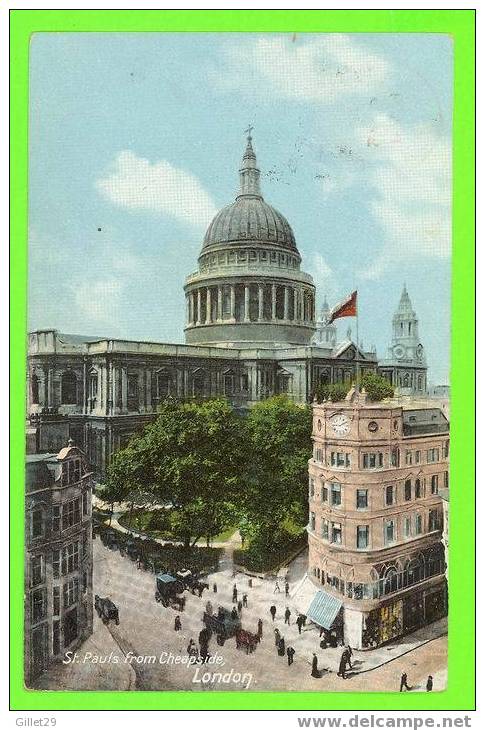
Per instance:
(399,351)
(372,426)
(340,424)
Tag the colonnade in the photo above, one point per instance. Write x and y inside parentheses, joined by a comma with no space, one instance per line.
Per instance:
(254,302)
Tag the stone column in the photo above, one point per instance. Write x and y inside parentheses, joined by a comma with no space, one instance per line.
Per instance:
(233,303)
(260,302)
(286,305)
(50,387)
(273,301)
(246,303)
(115,389)
(295,305)
(208,305)
(124,390)
(148,391)
(302,304)
(219,303)
(199,307)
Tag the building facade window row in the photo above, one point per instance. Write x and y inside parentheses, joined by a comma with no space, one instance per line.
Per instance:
(332,492)
(359,536)
(416,571)
(377,460)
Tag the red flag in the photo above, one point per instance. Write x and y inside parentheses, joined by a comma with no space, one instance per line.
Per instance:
(347,308)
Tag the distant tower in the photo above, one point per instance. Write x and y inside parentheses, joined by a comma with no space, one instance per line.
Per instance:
(405,335)
(405,366)
(326,334)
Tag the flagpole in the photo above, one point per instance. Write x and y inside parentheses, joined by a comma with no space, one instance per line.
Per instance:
(357,374)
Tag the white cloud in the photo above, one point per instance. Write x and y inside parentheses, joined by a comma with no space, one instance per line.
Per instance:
(411,177)
(137,184)
(99,301)
(319,69)
(323,275)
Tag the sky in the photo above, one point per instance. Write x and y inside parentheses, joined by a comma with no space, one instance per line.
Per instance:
(136,140)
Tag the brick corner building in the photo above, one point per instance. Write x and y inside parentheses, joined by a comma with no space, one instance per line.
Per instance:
(376,518)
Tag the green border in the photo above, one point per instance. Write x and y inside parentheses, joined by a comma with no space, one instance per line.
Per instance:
(460,24)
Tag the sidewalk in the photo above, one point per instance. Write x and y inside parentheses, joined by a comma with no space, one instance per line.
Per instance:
(108,675)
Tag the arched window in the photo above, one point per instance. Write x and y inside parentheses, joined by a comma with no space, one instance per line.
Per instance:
(163,385)
(34,388)
(68,388)
(229,383)
(198,383)
(390,580)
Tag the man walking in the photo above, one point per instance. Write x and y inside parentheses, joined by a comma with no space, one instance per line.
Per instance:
(287,589)
(429,684)
(404,682)
(260,628)
(277,588)
(299,623)
(272,611)
(234,593)
(287,616)
(290,652)
(245,600)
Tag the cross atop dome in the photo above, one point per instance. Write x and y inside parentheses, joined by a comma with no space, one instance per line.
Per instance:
(249,173)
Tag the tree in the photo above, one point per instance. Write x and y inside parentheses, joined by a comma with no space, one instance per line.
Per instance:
(331,391)
(376,387)
(191,457)
(279,438)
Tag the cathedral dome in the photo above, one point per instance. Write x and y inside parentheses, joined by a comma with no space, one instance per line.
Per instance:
(249,219)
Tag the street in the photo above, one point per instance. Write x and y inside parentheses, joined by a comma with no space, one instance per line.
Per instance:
(144,652)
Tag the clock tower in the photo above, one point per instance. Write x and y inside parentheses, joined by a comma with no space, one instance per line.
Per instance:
(405,365)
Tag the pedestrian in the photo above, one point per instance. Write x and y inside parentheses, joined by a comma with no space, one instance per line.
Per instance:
(260,628)
(190,647)
(245,600)
(287,616)
(178,624)
(299,623)
(200,590)
(287,589)
(277,636)
(281,647)
(214,587)
(303,619)
(234,614)
(404,682)
(315,672)
(234,593)
(272,611)
(349,654)
(209,609)
(290,652)
(429,684)
(277,588)
(250,582)
(239,607)
(343,665)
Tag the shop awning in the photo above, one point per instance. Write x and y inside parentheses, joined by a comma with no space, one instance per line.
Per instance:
(323,609)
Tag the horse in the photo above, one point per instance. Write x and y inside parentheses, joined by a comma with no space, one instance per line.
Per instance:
(247,639)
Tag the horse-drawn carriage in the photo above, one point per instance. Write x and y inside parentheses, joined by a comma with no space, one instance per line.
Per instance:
(106,610)
(247,640)
(167,591)
(224,623)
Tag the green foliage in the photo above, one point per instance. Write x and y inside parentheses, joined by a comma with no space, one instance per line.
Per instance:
(331,391)
(269,550)
(376,387)
(191,458)
(279,445)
